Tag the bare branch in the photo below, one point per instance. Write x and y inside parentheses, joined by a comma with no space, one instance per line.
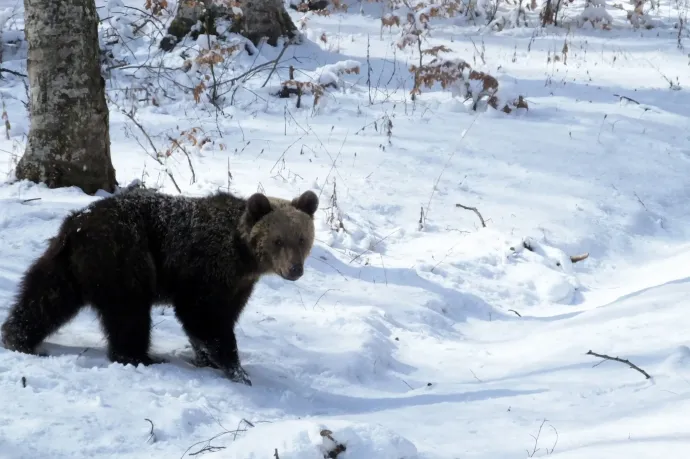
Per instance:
(473,209)
(536,440)
(12,72)
(627,98)
(625,361)
(186,153)
(277,59)
(156,154)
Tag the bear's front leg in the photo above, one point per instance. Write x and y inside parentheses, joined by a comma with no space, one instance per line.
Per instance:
(201,358)
(210,327)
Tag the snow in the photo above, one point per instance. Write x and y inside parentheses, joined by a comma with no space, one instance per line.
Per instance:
(445,341)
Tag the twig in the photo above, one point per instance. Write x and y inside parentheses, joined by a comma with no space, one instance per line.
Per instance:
(208,449)
(554,443)
(12,72)
(152,436)
(641,202)
(275,64)
(374,246)
(516,313)
(276,454)
(322,295)
(536,440)
(83,352)
(627,98)
(211,449)
(285,151)
(473,209)
(625,361)
(156,155)
(186,153)
(475,376)
(445,166)
(24,201)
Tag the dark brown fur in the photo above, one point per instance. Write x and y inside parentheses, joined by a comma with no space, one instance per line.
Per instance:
(125,253)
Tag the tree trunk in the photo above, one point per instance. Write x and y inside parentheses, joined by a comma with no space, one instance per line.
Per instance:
(260,19)
(69,141)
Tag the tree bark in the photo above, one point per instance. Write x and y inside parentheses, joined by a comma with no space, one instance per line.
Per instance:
(260,19)
(69,141)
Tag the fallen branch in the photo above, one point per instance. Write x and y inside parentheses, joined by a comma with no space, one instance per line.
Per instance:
(625,361)
(516,313)
(473,209)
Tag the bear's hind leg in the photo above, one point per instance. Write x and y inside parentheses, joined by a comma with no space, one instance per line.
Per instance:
(47,300)
(122,293)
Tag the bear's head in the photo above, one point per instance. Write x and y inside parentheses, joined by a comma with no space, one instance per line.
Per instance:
(281,232)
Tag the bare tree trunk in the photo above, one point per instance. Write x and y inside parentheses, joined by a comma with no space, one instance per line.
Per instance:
(69,141)
(260,19)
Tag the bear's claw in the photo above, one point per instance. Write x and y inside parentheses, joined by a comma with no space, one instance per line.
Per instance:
(238,375)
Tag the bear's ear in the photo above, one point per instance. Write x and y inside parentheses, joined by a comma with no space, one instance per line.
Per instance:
(258,206)
(308,202)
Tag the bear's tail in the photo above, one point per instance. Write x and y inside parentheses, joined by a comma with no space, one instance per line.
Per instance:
(48,297)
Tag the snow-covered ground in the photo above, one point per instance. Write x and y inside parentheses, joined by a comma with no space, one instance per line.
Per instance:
(449,341)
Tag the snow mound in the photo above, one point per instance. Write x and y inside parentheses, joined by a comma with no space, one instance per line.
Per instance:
(546,271)
(677,361)
(301,439)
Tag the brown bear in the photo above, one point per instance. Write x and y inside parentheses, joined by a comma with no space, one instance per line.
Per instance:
(125,253)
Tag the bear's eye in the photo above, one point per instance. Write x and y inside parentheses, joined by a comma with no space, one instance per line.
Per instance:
(301,240)
(278,242)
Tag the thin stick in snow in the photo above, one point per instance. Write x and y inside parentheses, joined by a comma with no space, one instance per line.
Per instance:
(473,209)
(152,436)
(625,361)
(445,166)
